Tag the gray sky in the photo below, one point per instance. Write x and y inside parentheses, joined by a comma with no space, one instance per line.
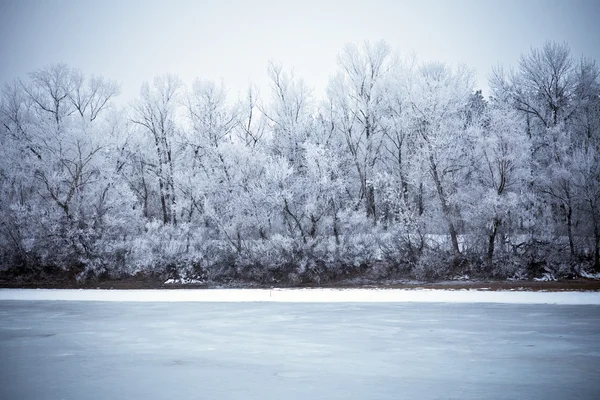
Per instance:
(133,40)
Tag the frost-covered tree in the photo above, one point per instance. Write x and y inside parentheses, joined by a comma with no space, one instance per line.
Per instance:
(357,95)
(155,113)
(252,124)
(586,180)
(59,186)
(558,98)
(289,114)
(497,192)
(211,123)
(542,87)
(437,101)
(397,162)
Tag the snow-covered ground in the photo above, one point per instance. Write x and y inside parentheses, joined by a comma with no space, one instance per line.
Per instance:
(297,351)
(306,295)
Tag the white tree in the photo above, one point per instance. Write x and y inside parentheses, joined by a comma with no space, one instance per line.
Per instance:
(58,157)
(357,96)
(502,168)
(437,102)
(252,124)
(557,98)
(211,122)
(543,87)
(289,114)
(586,179)
(155,111)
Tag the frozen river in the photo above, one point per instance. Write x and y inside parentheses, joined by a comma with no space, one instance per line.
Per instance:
(201,350)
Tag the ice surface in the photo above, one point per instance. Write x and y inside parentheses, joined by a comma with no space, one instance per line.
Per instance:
(307,295)
(273,351)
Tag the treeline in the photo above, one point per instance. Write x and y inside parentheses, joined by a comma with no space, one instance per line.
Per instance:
(403,170)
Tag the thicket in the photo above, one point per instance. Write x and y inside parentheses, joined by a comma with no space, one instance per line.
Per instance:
(403,170)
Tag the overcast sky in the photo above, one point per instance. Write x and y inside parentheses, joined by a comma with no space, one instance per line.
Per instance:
(133,40)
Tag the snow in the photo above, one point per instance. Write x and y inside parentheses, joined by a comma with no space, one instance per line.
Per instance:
(547,277)
(306,296)
(588,275)
(183,281)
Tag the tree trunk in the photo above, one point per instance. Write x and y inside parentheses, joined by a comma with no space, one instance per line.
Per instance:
(368,192)
(596,248)
(171,183)
(445,207)
(420,200)
(164,201)
(596,223)
(336,231)
(370,198)
(144,193)
(492,241)
(570,230)
(313,226)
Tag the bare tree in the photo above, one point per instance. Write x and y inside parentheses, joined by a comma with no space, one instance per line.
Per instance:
(437,110)
(358,100)
(502,168)
(543,86)
(250,127)
(559,99)
(586,179)
(289,114)
(50,89)
(91,96)
(155,111)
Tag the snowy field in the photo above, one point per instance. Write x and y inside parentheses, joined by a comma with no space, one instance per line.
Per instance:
(473,346)
(306,295)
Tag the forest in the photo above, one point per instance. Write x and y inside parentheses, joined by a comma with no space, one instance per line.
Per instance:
(403,170)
